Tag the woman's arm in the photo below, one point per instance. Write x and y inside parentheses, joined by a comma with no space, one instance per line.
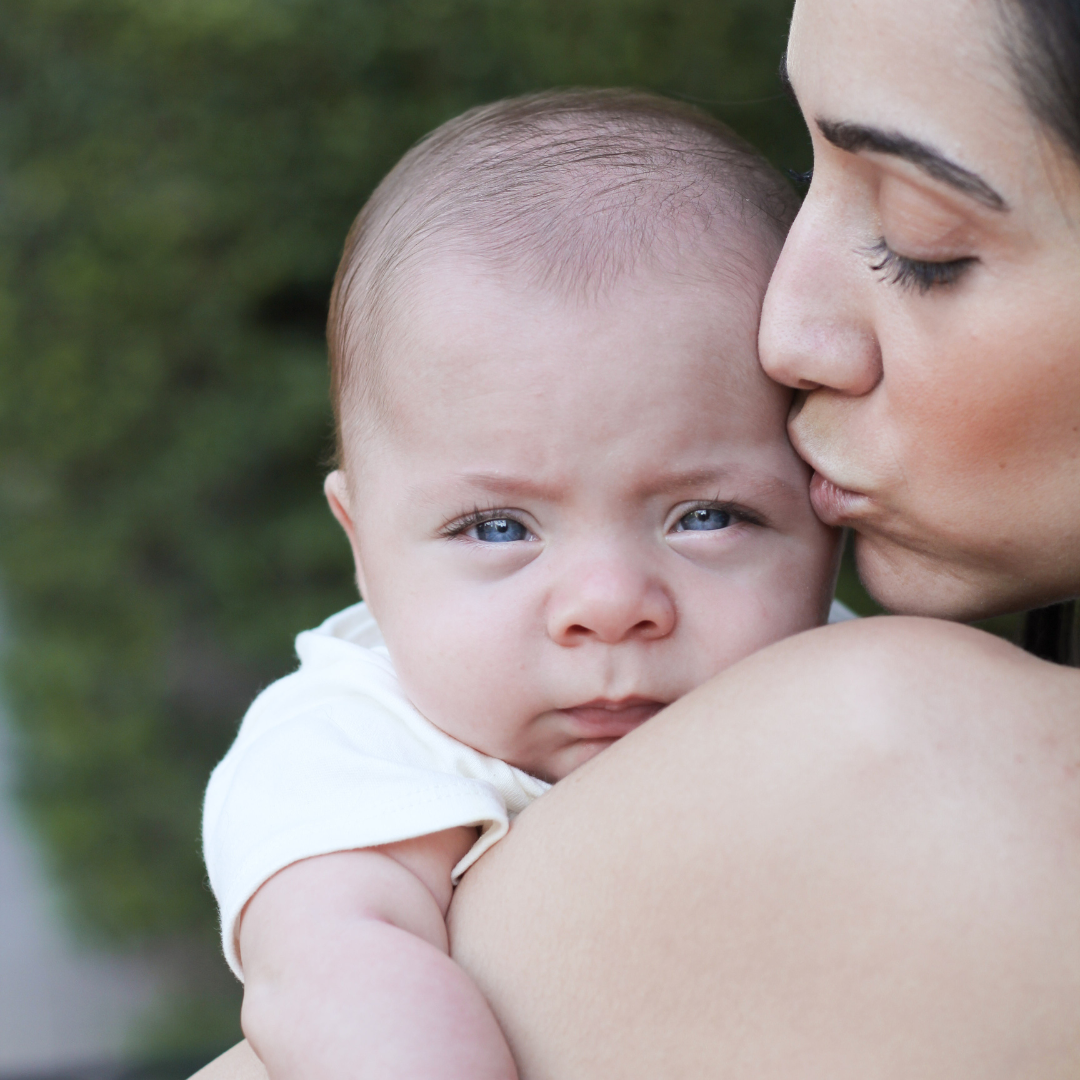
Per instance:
(854,854)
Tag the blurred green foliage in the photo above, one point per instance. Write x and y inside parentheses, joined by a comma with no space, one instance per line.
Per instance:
(176,179)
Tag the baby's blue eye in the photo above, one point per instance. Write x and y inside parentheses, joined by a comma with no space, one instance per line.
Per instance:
(501,531)
(704,519)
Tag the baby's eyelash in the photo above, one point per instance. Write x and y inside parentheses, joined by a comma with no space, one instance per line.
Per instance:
(475,517)
(736,510)
(915,273)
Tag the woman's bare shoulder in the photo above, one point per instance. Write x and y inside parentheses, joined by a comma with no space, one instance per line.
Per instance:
(895,802)
(910,660)
(934,687)
(894,636)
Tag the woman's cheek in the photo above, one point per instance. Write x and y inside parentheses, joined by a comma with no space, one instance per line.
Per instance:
(979,435)
(951,392)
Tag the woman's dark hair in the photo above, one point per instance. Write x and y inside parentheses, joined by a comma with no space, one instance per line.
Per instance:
(1051,633)
(1044,43)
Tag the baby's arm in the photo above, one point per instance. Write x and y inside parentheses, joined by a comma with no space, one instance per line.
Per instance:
(347,973)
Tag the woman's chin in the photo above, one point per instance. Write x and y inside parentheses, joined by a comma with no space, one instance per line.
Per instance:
(911,582)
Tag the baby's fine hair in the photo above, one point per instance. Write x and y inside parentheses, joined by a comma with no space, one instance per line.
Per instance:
(573,188)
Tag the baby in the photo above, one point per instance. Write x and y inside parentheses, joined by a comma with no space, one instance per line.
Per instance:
(570,498)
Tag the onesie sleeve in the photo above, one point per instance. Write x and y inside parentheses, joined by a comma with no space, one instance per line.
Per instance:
(339,776)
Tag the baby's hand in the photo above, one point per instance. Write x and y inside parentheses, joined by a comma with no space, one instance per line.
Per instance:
(347,974)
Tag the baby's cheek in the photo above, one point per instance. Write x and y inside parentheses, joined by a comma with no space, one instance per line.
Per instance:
(787,596)
(462,677)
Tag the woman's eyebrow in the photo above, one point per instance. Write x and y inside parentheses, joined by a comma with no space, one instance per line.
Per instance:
(856,137)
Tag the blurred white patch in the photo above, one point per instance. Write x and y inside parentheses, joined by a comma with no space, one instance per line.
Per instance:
(61,1006)
(840,612)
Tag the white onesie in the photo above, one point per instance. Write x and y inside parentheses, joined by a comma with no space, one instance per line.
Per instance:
(334,757)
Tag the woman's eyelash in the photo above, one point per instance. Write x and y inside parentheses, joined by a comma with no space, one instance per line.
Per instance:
(801,179)
(915,273)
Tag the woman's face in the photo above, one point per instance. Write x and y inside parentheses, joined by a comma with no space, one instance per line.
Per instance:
(928,303)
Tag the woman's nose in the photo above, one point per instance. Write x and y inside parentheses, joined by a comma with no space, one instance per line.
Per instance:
(610,603)
(816,329)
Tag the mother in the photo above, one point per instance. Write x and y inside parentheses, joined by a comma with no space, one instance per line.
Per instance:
(857,854)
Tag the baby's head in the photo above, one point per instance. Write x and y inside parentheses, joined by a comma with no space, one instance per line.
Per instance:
(566,481)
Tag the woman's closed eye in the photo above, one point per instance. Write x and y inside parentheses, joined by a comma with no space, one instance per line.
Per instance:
(921,274)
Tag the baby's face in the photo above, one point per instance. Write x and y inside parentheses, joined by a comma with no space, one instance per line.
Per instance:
(582,510)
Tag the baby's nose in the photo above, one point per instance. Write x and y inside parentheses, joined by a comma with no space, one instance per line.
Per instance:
(610,603)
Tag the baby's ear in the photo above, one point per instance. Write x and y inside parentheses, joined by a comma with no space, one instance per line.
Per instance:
(336,489)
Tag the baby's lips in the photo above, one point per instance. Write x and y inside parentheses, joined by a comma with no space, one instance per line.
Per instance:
(606,719)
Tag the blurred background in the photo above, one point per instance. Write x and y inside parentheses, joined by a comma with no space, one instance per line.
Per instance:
(176,180)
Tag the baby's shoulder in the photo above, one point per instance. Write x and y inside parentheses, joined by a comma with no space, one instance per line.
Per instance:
(343,662)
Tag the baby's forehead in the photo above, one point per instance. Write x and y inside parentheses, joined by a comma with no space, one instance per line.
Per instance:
(468,273)
(471,341)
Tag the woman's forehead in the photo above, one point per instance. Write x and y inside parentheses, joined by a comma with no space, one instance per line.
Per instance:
(897,59)
(936,73)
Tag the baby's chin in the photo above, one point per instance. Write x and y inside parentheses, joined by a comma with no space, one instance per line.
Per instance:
(567,760)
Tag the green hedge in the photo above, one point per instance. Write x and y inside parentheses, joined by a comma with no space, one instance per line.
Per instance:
(176,178)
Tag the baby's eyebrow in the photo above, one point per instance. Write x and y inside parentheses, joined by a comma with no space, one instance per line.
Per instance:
(685,478)
(749,481)
(507,485)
